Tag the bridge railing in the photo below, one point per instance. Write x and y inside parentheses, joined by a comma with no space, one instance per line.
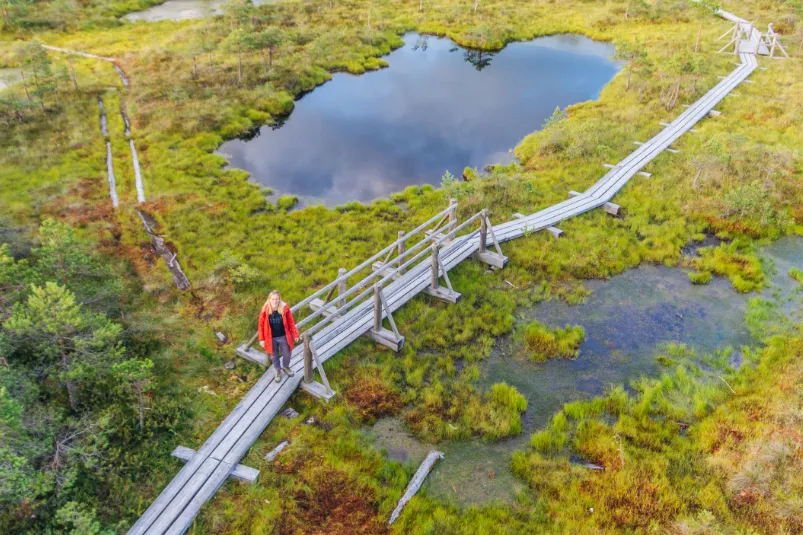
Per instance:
(336,298)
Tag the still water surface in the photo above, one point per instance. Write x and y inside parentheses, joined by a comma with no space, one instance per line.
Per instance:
(626,320)
(437,107)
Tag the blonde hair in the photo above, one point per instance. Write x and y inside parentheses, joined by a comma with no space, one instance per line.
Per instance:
(281,303)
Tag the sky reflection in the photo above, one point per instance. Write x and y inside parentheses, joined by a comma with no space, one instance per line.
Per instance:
(438,107)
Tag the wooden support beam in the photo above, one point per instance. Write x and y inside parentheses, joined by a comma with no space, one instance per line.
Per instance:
(435,289)
(452,220)
(437,236)
(379,334)
(240,472)
(317,304)
(609,165)
(714,113)
(307,358)
(693,131)
(317,390)
(495,260)
(573,193)
(673,151)
(402,247)
(645,174)
(518,216)
(611,208)
(314,388)
(638,143)
(342,287)
(556,232)
(664,124)
(251,354)
(443,294)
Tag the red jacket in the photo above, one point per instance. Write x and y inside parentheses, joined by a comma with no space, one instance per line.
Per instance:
(290,330)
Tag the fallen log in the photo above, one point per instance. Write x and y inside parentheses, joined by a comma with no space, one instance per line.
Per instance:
(415,483)
(160,247)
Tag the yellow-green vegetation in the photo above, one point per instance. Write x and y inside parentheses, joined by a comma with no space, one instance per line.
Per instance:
(796,274)
(700,277)
(543,343)
(196,83)
(687,450)
(733,260)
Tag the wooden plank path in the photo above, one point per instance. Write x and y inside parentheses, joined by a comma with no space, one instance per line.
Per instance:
(176,507)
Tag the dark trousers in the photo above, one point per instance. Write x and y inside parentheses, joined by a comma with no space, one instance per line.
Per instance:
(280,343)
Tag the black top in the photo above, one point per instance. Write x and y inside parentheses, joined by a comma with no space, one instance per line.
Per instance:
(276,325)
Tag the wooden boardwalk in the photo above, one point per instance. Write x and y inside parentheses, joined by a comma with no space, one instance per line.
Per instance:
(178,504)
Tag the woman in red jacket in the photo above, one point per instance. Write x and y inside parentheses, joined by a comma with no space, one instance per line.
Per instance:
(277,332)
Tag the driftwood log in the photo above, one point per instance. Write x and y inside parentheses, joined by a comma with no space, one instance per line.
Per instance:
(415,483)
(160,247)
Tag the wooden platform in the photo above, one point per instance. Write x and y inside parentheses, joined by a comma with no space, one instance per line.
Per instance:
(179,503)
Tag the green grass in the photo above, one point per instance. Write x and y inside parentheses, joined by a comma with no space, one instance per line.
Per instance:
(543,343)
(700,277)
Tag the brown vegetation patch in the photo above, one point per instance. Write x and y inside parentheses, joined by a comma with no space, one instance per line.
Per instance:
(372,396)
(719,224)
(85,202)
(329,502)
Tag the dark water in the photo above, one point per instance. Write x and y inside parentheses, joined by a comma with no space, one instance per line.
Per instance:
(438,107)
(627,320)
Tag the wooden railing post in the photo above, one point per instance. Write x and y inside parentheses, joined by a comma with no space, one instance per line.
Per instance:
(307,358)
(774,42)
(738,37)
(402,248)
(452,217)
(484,231)
(342,286)
(377,308)
(434,282)
(252,341)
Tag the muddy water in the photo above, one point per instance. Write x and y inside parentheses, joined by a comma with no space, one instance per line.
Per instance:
(627,321)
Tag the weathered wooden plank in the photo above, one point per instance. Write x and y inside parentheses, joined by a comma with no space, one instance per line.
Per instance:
(177,505)
(251,416)
(187,515)
(668,135)
(272,454)
(415,483)
(240,472)
(142,525)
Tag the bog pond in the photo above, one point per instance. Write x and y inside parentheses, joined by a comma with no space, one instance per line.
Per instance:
(438,107)
(628,320)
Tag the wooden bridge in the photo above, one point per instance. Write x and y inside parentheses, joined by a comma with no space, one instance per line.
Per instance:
(413,264)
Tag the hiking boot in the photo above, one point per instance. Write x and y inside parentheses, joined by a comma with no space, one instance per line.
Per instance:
(289,372)
(278,376)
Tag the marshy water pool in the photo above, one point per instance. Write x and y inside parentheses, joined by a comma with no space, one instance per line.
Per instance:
(438,107)
(627,320)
